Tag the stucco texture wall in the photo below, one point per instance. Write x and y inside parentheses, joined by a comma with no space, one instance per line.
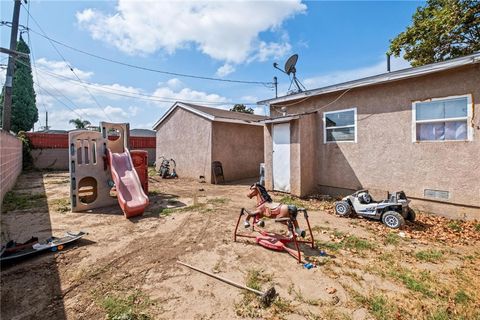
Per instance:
(186,138)
(385,158)
(239,147)
(10,162)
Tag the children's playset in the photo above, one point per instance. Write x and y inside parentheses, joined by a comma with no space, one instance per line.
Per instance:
(103,170)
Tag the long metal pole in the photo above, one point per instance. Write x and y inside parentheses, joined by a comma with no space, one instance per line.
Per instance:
(260,293)
(7,99)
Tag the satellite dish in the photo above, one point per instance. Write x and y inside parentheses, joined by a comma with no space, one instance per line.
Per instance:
(290,64)
(291,70)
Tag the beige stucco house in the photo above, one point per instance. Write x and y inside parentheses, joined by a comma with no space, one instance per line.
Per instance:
(195,136)
(416,130)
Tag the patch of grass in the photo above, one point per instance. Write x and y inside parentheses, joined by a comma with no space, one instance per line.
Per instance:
(417,283)
(130,308)
(63,181)
(152,172)
(334,246)
(17,201)
(353,242)
(477,227)
(153,192)
(430,255)
(348,242)
(461,297)
(455,226)
(61,205)
(250,305)
(320,228)
(288,199)
(301,298)
(338,234)
(392,238)
(256,277)
(378,307)
(440,314)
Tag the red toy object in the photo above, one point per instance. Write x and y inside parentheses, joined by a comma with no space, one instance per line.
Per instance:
(285,214)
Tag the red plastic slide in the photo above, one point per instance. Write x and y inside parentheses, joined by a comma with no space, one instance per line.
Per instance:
(130,195)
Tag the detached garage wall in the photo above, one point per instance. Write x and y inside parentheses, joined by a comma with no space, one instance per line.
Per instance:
(239,147)
(186,138)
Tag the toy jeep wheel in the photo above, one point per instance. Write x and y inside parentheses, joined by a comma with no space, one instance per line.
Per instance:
(411,215)
(393,219)
(343,209)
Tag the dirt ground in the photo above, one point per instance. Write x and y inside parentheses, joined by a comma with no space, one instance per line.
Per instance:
(126,269)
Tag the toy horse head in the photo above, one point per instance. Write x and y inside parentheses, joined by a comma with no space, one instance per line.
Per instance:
(256,189)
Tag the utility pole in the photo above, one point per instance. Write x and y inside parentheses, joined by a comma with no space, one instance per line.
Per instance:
(7,99)
(275,83)
(46,121)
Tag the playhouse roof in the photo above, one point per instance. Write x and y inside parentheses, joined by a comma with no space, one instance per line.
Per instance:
(213,114)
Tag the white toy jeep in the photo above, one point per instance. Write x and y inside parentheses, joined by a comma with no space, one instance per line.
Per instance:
(392,212)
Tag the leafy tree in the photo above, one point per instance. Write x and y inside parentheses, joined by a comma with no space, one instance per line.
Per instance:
(241,108)
(441,30)
(79,123)
(24,109)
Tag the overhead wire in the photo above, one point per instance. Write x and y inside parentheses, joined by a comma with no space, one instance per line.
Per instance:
(66,62)
(64,104)
(177,74)
(135,95)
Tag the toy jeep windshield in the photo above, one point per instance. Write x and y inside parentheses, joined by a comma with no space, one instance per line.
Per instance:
(392,212)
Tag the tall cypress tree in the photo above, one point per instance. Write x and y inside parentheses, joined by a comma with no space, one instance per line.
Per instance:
(24,109)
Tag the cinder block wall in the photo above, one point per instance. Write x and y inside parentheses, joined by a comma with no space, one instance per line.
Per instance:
(10,162)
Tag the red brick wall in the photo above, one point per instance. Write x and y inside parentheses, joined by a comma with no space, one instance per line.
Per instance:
(10,161)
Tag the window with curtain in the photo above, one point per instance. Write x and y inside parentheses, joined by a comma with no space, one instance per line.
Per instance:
(340,126)
(442,119)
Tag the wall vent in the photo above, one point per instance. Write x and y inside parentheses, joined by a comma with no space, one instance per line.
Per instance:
(436,194)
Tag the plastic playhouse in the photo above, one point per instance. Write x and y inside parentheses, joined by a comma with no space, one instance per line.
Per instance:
(102,167)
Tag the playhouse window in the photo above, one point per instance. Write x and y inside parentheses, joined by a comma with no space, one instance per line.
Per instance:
(340,126)
(442,119)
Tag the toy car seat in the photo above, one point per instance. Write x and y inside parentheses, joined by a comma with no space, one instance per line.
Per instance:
(364,198)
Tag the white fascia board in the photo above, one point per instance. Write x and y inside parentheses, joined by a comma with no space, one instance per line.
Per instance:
(281,119)
(179,104)
(253,123)
(381,78)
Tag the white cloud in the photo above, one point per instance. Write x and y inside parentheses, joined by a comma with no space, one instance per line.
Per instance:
(115,108)
(225,70)
(224,30)
(353,74)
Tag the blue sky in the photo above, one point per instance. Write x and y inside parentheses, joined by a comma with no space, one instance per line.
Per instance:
(336,41)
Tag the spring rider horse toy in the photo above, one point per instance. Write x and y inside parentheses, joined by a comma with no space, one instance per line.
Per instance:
(282,213)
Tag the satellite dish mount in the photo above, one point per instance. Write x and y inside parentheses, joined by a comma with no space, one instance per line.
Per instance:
(290,70)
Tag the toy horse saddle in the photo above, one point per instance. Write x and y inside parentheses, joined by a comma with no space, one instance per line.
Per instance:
(272,206)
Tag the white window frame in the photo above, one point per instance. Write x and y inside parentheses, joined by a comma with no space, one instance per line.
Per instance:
(340,127)
(468,118)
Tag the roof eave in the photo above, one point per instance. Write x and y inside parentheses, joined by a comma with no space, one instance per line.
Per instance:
(381,78)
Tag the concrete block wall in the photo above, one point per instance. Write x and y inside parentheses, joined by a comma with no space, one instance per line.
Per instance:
(10,162)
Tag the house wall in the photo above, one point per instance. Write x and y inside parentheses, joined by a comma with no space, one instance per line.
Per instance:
(186,138)
(384,157)
(10,162)
(239,147)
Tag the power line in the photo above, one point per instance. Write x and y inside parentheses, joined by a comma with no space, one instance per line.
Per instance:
(63,103)
(137,95)
(69,66)
(264,83)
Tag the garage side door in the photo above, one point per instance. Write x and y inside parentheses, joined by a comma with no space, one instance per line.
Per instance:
(281,157)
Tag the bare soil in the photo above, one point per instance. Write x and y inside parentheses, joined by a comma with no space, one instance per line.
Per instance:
(126,269)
